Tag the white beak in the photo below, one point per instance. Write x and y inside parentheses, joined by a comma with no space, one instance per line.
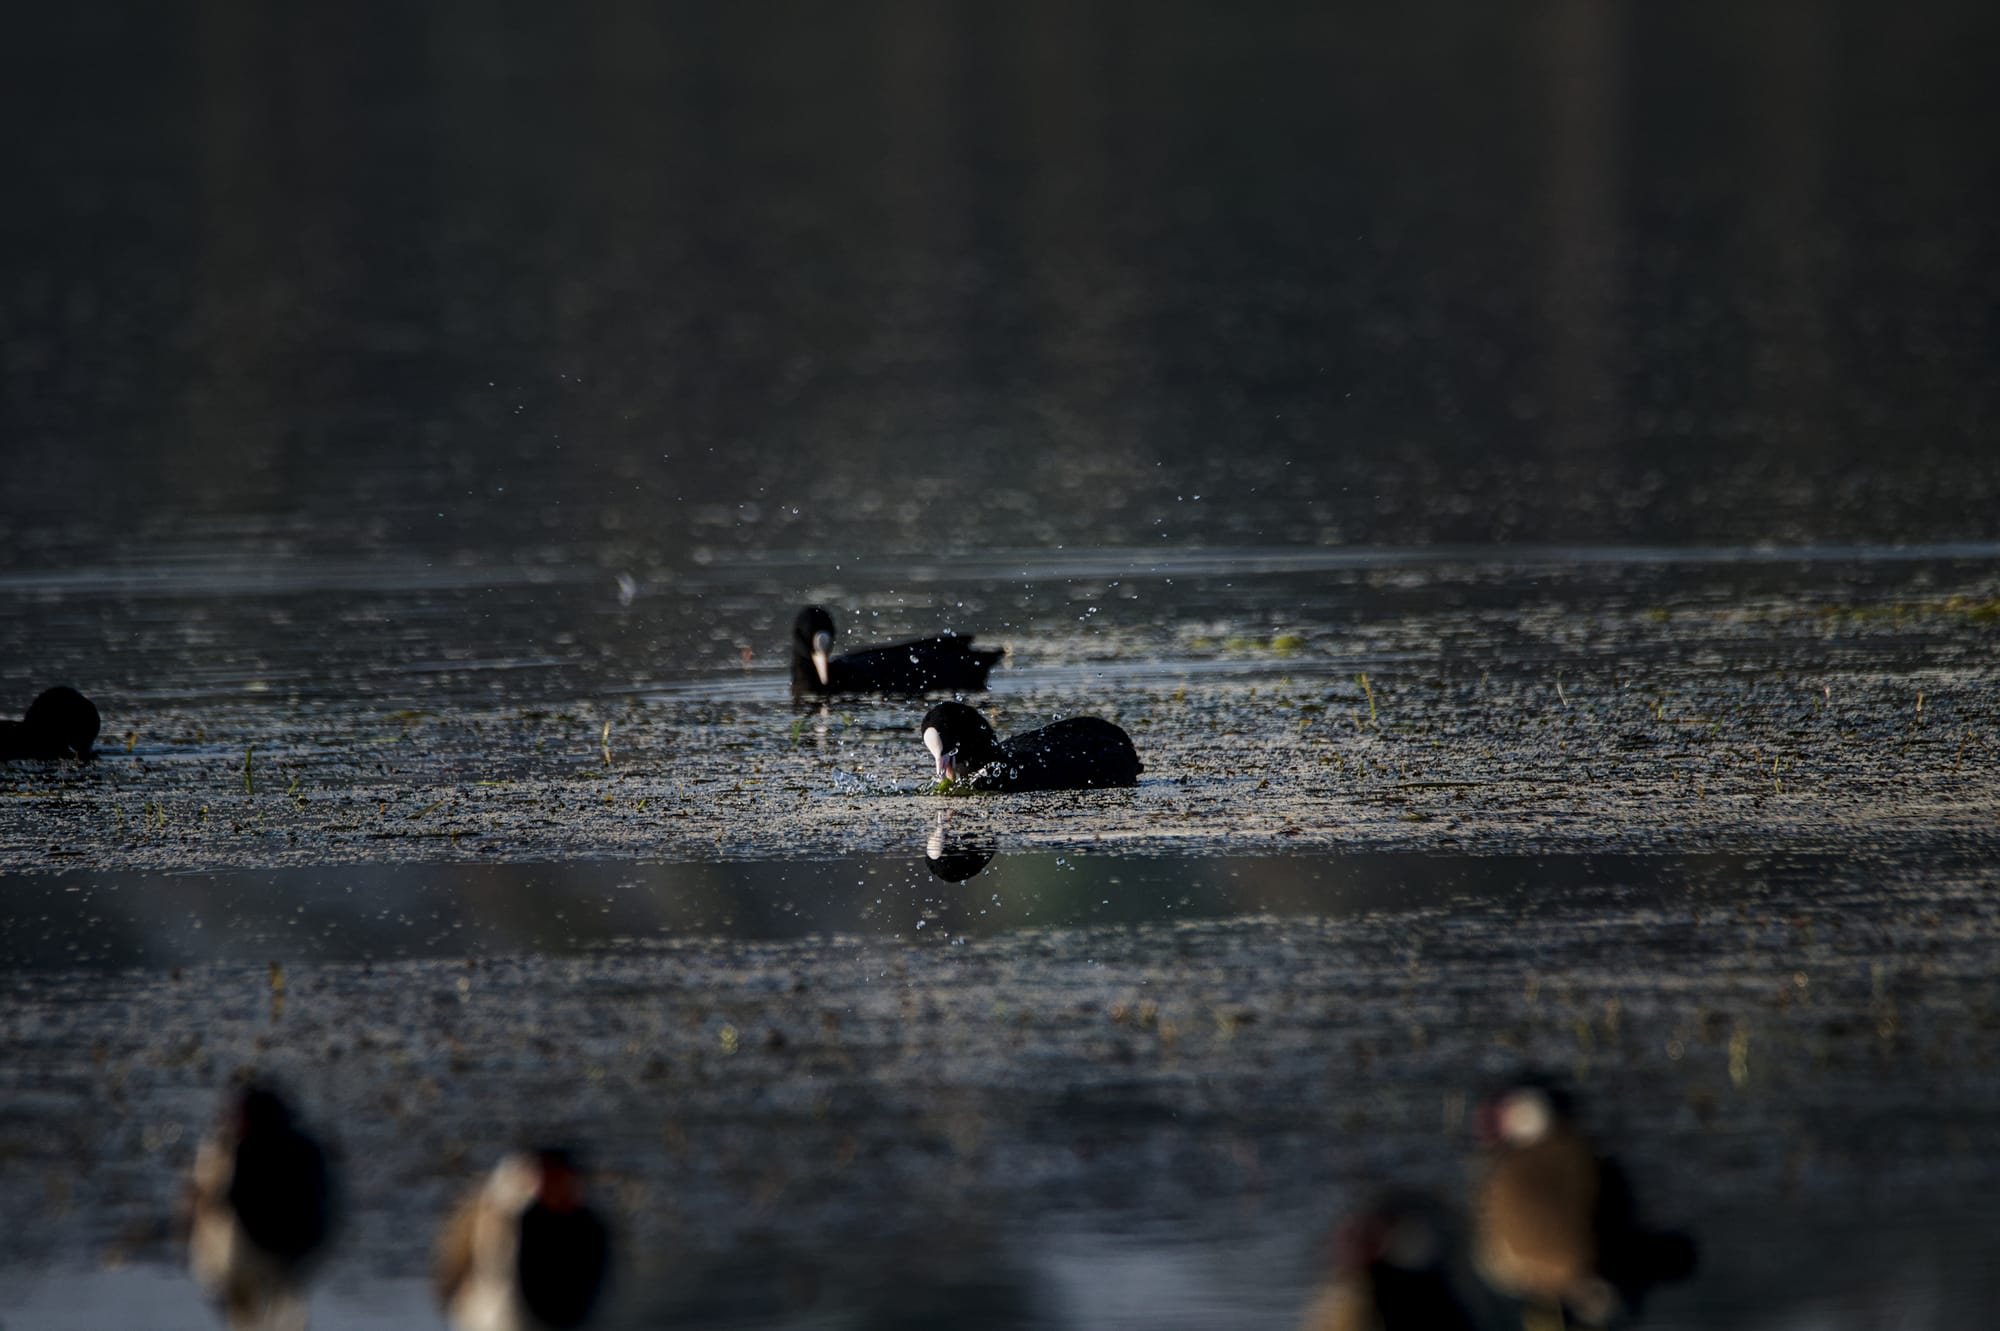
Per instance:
(822,655)
(946,767)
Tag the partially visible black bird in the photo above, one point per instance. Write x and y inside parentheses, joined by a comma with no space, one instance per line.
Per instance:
(524,1251)
(1400,1265)
(1634,1257)
(261,1209)
(1072,754)
(948,661)
(61,723)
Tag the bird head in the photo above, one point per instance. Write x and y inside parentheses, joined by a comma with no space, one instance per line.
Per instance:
(812,633)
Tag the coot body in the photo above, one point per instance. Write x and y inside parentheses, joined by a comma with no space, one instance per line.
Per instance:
(948,661)
(61,723)
(1078,753)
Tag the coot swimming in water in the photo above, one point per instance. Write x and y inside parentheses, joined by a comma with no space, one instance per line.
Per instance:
(61,723)
(1072,754)
(524,1251)
(947,661)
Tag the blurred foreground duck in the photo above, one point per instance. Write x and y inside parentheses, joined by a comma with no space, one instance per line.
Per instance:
(1400,1265)
(524,1251)
(947,661)
(261,1209)
(1555,1223)
(1073,754)
(61,723)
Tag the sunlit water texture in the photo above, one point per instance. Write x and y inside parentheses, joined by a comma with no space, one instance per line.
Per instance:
(836,1090)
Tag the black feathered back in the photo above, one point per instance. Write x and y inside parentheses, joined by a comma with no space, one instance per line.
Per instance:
(1630,1256)
(922,665)
(1076,753)
(562,1262)
(281,1188)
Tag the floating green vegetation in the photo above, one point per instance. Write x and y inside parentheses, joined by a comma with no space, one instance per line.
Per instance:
(1280,644)
(1974,609)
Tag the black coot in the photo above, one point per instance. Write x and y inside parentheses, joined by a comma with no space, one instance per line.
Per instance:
(1072,754)
(62,723)
(947,661)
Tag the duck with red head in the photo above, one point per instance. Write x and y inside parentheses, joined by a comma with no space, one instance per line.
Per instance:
(524,1251)
(1555,1223)
(261,1210)
(922,665)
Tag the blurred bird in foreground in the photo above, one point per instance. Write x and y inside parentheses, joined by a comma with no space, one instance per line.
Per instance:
(260,1212)
(1400,1265)
(1555,1223)
(523,1251)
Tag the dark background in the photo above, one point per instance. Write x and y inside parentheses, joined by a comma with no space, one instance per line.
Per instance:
(600,283)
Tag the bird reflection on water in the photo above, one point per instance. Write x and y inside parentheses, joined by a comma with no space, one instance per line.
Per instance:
(957,854)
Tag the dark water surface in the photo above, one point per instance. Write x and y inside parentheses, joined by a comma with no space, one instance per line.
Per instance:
(619,290)
(124,921)
(1066,1092)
